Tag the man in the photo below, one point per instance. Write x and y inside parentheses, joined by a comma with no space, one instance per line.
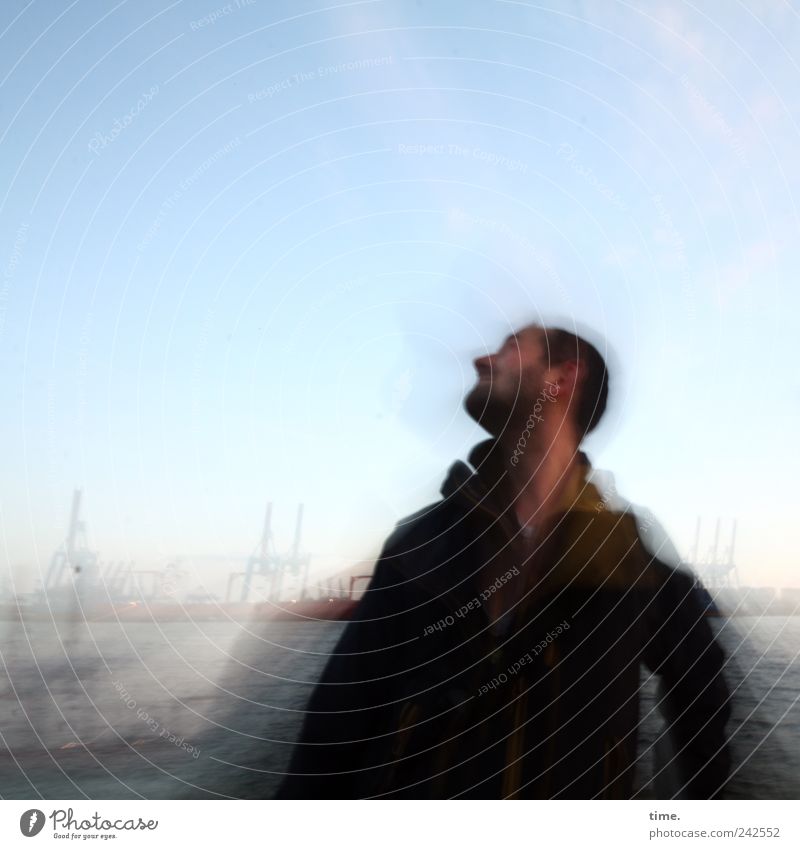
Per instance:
(497,651)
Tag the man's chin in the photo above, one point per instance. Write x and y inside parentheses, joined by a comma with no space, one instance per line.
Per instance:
(480,408)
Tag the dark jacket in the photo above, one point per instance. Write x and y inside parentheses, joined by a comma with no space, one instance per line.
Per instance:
(423,698)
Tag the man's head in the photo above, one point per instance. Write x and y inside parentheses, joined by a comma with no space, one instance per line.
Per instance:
(563,372)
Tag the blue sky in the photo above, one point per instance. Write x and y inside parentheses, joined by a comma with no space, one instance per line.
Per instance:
(249,251)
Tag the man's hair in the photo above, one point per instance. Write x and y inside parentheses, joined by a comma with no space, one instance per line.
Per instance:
(561,346)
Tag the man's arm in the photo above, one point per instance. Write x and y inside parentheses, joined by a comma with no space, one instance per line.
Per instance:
(696,702)
(352,701)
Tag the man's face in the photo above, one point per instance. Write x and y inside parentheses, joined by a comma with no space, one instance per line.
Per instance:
(508,380)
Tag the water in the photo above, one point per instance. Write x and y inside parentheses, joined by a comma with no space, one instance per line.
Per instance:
(763,670)
(211,709)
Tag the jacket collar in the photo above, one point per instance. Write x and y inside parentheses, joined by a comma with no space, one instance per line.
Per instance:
(596,547)
(462,481)
(487,485)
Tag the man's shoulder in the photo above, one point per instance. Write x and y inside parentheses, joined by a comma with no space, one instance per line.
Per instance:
(421,528)
(418,548)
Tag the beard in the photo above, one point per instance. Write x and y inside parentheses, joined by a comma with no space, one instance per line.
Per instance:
(490,411)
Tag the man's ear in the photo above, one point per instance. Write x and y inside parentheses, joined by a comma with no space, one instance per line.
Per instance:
(567,376)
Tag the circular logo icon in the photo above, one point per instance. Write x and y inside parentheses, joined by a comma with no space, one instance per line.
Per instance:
(31,822)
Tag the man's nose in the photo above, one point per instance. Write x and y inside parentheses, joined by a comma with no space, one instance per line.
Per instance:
(483,365)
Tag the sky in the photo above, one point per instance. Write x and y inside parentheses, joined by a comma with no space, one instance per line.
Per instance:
(250,250)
